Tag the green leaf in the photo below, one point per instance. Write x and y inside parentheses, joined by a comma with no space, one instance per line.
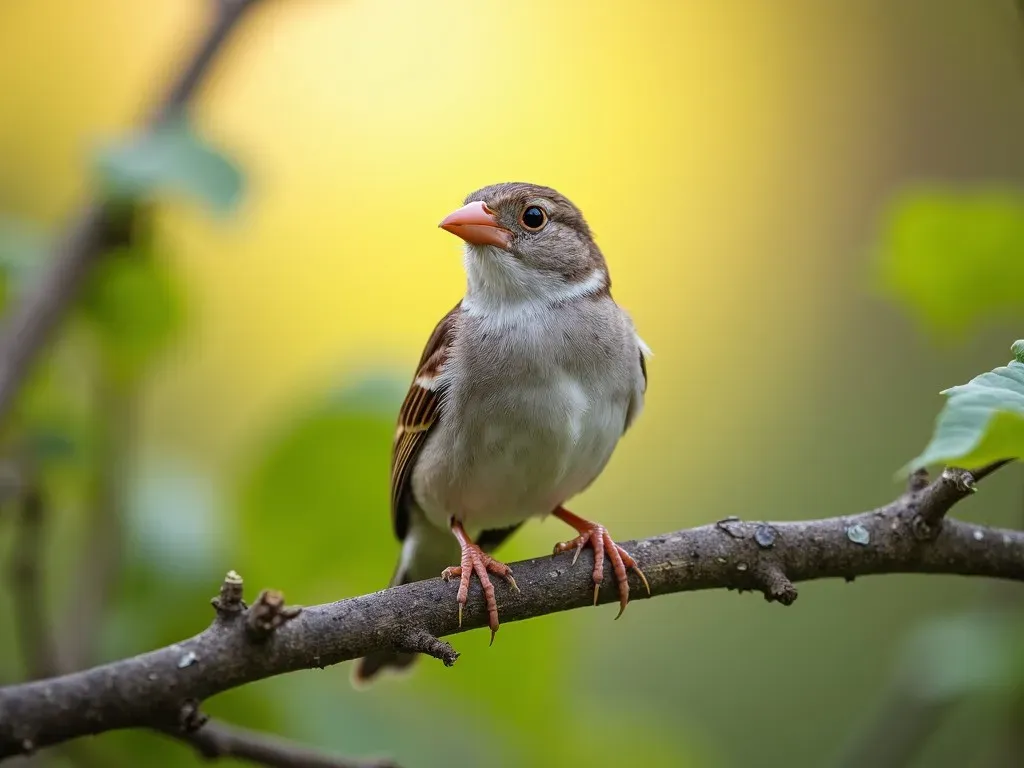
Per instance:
(954,259)
(982,421)
(172,158)
(135,306)
(325,470)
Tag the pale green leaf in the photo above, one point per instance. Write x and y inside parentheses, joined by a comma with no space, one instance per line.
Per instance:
(955,260)
(172,158)
(982,421)
(321,479)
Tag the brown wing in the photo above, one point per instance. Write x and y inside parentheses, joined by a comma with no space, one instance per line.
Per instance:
(418,414)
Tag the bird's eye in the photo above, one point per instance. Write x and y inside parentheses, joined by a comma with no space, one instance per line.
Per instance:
(534,218)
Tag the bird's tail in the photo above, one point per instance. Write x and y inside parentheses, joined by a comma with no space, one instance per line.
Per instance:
(368,667)
(426,552)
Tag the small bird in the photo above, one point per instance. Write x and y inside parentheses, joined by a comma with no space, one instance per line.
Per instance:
(519,399)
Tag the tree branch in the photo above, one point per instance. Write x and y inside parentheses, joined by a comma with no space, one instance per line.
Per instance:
(936,499)
(904,720)
(94,576)
(31,323)
(150,690)
(215,741)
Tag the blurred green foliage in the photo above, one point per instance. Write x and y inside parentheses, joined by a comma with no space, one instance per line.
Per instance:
(310,515)
(974,652)
(955,259)
(135,308)
(175,159)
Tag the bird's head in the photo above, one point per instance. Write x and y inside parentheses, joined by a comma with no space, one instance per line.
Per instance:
(526,244)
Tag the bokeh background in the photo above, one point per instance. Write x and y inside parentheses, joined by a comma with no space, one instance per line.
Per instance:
(737,161)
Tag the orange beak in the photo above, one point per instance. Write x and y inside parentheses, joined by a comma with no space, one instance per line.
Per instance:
(476,224)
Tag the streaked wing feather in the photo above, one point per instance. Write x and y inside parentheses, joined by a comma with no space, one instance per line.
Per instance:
(419,412)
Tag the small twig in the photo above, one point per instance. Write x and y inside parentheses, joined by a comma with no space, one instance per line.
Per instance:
(775,586)
(31,322)
(96,572)
(421,641)
(934,500)
(229,602)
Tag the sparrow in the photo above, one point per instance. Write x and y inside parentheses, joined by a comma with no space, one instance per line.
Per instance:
(521,395)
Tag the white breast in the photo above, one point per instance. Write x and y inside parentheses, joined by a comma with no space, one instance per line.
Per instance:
(516,441)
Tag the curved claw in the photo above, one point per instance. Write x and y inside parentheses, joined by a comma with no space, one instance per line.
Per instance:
(475,560)
(643,578)
(597,537)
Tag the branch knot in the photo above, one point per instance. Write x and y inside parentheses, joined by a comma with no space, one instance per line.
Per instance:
(267,614)
(775,585)
(229,602)
(421,641)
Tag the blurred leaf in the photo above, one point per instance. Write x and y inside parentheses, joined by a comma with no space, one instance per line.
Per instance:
(55,422)
(135,306)
(174,522)
(955,259)
(172,158)
(23,250)
(983,420)
(960,655)
(315,503)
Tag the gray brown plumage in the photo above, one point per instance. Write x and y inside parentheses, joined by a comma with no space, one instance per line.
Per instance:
(519,399)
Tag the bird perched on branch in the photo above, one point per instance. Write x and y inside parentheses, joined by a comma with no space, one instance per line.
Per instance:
(520,397)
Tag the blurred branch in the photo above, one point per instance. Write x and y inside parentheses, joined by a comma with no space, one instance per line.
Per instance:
(94,583)
(904,721)
(150,690)
(898,730)
(95,228)
(211,740)
(217,740)
(37,647)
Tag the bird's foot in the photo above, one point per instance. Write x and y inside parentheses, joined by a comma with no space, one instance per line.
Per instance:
(475,560)
(596,535)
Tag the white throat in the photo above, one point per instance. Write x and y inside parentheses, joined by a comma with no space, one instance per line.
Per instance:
(501,288)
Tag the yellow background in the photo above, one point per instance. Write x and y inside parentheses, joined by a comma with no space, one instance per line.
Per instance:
(732,157)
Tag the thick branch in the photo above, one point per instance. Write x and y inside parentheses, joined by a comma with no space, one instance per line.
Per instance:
(769,557)
(31,323)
